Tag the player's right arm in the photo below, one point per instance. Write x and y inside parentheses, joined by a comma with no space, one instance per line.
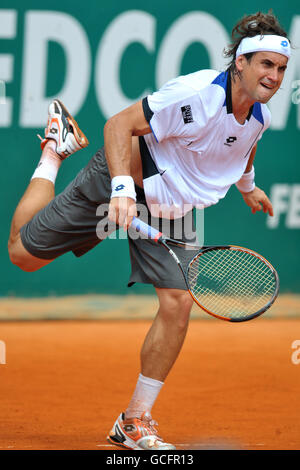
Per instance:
(118,132)
(164,109)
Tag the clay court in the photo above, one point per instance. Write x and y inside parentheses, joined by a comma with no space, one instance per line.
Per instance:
(64,382)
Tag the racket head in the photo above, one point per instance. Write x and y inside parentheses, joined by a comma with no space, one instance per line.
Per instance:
(232,283)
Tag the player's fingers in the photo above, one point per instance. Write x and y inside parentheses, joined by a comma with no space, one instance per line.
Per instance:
(132,212)
(112,212)
(268,209)
(122,217)
(256,207)
(267,206)
(124,205)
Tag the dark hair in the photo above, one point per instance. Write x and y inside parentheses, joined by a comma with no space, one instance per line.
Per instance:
(250,26)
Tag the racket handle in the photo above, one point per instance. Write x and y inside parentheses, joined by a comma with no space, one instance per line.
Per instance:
(145,229)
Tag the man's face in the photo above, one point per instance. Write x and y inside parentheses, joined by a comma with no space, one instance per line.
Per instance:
(262,76)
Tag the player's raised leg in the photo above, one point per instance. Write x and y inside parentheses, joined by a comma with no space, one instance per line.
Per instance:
(62,138)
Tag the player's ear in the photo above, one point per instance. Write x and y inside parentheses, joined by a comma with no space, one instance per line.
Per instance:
(240,63)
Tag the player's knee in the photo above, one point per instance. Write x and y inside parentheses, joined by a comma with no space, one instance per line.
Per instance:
(178,300)
(176,306)
(184,310)
(21,259)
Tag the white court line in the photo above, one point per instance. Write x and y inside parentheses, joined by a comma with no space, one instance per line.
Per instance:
(196,445)
(14,447)
(105,445)
(200,444)
(111,445)
(178,445)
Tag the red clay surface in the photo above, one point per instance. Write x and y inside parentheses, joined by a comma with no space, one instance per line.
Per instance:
(233,386)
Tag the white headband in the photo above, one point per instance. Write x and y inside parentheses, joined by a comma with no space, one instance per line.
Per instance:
(269,43)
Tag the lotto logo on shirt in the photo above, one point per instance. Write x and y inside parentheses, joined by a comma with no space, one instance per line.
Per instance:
(230,141)
(187,114)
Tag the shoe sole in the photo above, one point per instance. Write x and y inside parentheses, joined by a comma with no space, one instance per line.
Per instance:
(78,134)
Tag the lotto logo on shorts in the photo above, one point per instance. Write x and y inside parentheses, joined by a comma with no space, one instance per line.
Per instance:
(187,114)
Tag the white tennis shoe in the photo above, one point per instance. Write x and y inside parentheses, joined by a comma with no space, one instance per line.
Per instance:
(137,434)
(64,130)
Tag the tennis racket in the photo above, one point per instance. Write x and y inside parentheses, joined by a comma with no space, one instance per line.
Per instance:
(229,282)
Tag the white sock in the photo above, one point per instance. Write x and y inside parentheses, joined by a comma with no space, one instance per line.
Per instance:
(144,396)
(49,163)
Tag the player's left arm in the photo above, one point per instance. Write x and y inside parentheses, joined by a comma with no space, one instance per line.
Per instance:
(257,198)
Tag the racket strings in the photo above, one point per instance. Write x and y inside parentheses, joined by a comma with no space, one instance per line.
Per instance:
(254,269)
(219,271)
(241,294)
(231,282)
(233,285)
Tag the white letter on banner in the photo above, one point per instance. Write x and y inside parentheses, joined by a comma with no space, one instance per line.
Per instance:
(196,26)
(281,102)
(40,28)
(8,25)
(293,216)
(127,28)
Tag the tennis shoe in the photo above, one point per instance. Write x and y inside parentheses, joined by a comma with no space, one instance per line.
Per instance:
(137,434)
(64,130)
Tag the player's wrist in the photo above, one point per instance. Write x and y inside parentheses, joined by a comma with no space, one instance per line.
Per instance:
(247,182)
(123,186)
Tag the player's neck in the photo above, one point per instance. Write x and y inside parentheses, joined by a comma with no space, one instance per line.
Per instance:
(241,103)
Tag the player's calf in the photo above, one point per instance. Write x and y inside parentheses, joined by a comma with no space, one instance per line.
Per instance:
(63,137)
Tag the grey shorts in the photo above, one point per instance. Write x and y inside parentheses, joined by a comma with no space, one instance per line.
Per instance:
(69,223)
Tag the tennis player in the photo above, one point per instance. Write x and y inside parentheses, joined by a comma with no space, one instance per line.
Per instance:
(181,147)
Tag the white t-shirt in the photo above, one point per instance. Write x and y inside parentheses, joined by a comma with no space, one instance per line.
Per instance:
(199,148)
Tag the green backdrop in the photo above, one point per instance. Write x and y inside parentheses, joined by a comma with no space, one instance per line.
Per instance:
(99,58)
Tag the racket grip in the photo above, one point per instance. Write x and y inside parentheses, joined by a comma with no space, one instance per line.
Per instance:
(145,229)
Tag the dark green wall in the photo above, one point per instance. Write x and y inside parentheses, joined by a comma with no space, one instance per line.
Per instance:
(141,67)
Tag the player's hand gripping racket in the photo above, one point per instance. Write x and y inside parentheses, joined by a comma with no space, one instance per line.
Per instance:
(229,282)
